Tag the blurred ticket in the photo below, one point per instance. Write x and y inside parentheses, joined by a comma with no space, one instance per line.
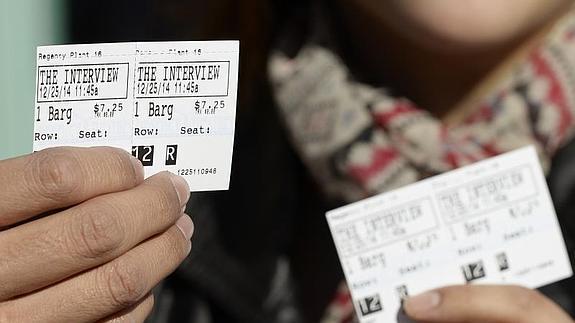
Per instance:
(489,223)
(171,104)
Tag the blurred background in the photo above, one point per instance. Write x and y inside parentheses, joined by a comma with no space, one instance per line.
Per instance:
(24,24)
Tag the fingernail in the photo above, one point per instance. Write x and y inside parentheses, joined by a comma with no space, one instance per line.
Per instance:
(422,303)
(186,225)
(182,188)
(138,167)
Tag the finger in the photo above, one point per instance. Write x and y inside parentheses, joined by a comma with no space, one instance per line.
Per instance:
(475,303)
(111,288)
(59,177)
(89,234)
(136,314)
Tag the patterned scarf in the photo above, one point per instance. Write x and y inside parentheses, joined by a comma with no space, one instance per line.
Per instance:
(358,140)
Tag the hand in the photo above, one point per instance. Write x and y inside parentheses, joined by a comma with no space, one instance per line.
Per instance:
(489,304)
(84,238)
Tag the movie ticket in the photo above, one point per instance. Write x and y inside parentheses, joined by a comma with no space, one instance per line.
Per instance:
(491,222)
(171,104)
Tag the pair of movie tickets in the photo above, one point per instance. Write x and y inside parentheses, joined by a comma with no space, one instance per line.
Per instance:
(173,106)
(489,223)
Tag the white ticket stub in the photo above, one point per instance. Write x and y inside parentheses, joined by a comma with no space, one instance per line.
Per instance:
(171,104)
(491,222)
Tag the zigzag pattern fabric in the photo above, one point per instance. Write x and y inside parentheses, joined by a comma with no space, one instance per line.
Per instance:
(358,140)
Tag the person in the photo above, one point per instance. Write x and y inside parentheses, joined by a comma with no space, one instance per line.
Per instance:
(84,238)
(348,33)
(379,94)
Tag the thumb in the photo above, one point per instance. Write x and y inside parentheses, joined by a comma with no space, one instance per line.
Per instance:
(475,303)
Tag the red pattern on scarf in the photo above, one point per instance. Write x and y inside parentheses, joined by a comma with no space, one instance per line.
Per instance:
(381,159)
(401,108)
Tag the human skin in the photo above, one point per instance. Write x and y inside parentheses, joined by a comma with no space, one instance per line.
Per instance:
(84,238)
(436,52)
(464,25)
(486,304)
